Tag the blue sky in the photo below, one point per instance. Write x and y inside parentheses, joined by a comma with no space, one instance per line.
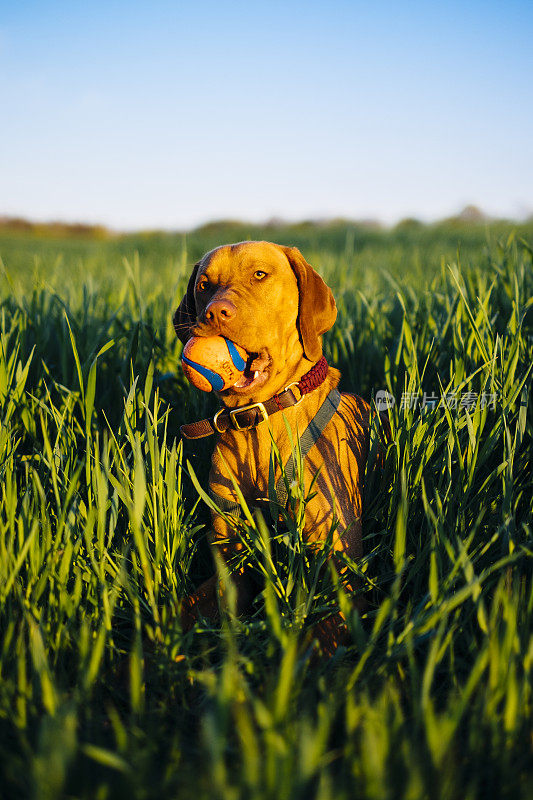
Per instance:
(170,114)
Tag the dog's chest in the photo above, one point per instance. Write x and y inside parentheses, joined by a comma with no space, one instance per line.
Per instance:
(255,458)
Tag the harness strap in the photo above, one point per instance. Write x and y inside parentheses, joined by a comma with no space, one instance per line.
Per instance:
(309,437)
(230,506)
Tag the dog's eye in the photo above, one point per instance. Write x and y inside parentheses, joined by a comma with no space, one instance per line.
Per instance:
(202,284)
(259,274)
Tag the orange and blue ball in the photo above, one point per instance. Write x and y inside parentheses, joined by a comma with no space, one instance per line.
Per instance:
(213,363)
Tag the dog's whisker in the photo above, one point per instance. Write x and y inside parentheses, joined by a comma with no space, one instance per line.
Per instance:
(181,325)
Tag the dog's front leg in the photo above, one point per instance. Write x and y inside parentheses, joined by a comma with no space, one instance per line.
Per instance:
(205,601)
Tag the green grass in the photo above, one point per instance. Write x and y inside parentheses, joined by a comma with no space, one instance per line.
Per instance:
(102,534)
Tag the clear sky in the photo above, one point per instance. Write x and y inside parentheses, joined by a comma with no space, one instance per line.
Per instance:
(168,114)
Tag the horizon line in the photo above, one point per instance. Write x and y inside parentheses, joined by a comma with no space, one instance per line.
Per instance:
(468,214)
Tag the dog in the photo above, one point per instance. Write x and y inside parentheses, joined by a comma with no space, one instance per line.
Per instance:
(270,301)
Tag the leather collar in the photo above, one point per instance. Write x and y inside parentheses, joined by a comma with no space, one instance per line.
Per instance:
(249,416)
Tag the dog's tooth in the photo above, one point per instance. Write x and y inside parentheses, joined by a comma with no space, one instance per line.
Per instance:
(256,374)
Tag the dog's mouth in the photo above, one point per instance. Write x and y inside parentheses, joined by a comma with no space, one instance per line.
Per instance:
(256,373)
(258,363)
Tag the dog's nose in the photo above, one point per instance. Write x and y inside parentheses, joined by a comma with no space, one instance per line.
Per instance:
(220,311)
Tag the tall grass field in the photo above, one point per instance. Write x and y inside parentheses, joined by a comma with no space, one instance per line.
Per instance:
(103,532)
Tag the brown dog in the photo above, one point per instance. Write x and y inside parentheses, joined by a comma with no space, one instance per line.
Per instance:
(270,301)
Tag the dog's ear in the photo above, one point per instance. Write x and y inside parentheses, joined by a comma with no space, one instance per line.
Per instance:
(317,311)
(185,314)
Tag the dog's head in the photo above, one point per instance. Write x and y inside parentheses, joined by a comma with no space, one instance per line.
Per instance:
(267,299)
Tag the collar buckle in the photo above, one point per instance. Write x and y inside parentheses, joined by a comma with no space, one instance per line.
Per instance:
(234,419)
